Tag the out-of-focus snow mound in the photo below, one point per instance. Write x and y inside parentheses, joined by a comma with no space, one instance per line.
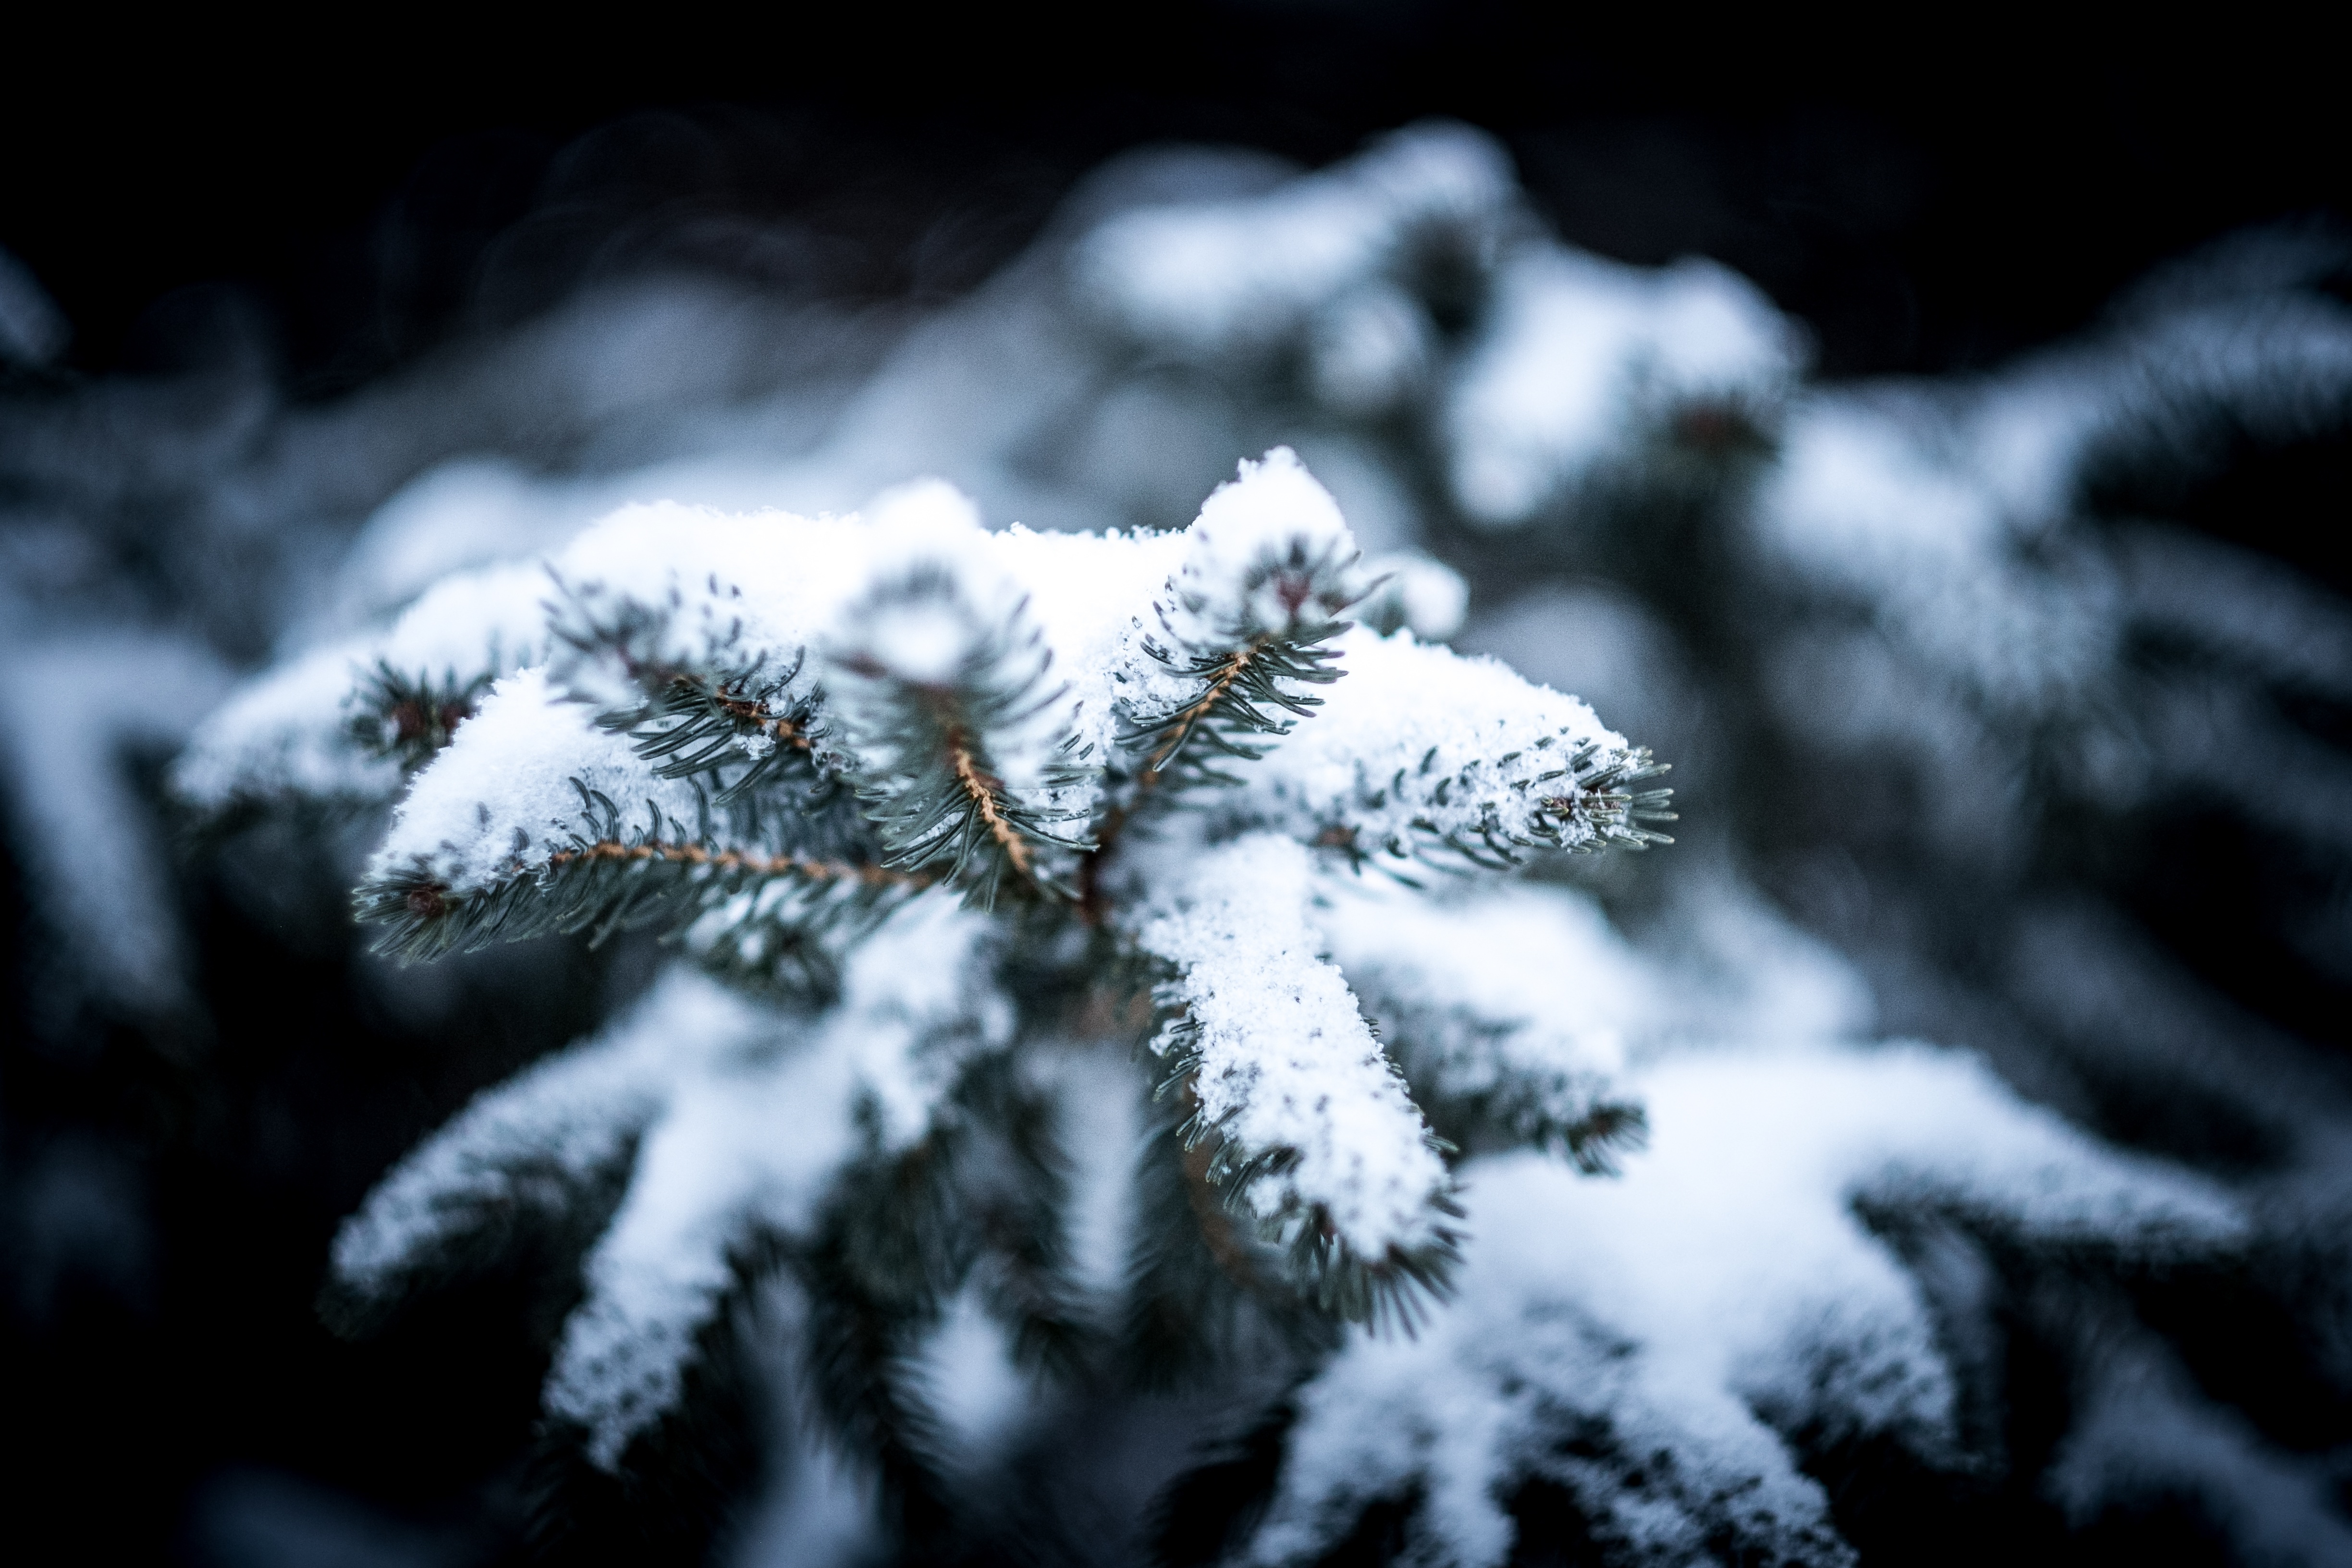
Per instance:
(1647,1342)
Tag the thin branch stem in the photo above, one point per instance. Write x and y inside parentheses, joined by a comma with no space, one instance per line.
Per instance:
(983,791)
(742,861)
(743,710)
(1181,730)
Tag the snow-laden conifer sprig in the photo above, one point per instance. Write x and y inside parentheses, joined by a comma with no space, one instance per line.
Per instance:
(755,713)
(672,1102)
(1312,1133)
(1268,569)
(537,820)
(941,695)
(694,724)
(1269,557)
(1239,699)
(1423,752)
(772,921)
(537,1140)
(974,767)
(1686,1324)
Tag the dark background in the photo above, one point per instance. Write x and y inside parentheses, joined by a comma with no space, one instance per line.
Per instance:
(1931,199)
(345,200)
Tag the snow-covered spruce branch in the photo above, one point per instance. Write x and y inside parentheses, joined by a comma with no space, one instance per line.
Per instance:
(940,694)
(970,764)
(536,819)
(1429,754)
(1240,691)
(1309,1125)
(694,720)
(919,791)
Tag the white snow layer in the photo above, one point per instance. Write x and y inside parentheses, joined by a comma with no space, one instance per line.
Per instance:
(944,606)
(500,799)
(688,588)
(558,1124)
(1719,1293)
(1417,744)
(733,1152)
(1285,1060)
(659,587)
(1580,357)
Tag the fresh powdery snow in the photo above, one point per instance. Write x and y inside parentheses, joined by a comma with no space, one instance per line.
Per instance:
(563,1122)
(749,1147)
(1265,557)
(711,1176)
(659,587)
(699,1082)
